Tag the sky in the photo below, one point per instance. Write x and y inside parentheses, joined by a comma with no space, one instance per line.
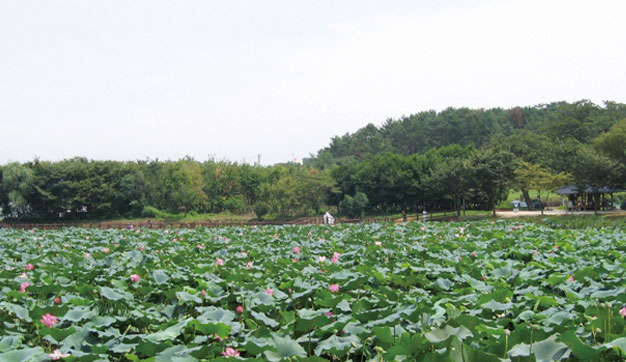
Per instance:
(232,79)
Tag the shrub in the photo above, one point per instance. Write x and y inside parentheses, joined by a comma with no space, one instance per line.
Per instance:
(261,208)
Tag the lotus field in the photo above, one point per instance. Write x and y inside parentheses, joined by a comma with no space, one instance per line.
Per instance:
(483,291)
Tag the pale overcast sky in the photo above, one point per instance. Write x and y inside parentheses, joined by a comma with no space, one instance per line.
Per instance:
(128,80)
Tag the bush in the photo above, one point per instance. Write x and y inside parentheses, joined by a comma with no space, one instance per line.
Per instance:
(354,206)
(235,205)
(149,211)
(261,208)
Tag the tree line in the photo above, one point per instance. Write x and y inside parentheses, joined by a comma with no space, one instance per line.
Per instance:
(455,159)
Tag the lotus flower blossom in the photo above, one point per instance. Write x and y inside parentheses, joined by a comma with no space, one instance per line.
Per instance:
(49,320)
(142,248)
(24,275)
(87,255)
(423,228)
(230,352)
(295,260)
(296,250)
(105,250)
(29,266)
(249,265)
(378,243)
(239,309)
(473,254)
(203,293)
(334,288)
(322,259)
(243,253)
(335,257)
(23,287)
(134,278)
(269,291)
(570,279)
(623,312)
(57,300)
(57,354)
(328,314)
(219,262)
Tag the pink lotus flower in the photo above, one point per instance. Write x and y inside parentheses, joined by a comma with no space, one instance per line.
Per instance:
(87,255)
(57,300)
(473,254)
(180,239)
(269,291)
(29,266)
(203,293)
(243,253)
(622,312)
(56,355)
(570,279)
(230,352)
(142,248)
(23,287)
(460,258)
(239,309)
(309,233)
(116,245)
(201,247)
(24,276)
(49,320)
(250,263)
(105,250)
(483,277)
(328,314)
(87,238)
(219,261)
(423,228)
(334,288)
(556,247)
(134,278)
(295,260)
(296,250)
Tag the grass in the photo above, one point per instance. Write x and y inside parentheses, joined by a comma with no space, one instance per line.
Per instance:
(617,220)
(551,199)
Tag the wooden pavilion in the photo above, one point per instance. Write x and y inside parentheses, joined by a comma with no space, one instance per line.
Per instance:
(584,200)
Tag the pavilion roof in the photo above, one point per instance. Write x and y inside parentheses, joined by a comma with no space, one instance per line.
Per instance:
(573,189)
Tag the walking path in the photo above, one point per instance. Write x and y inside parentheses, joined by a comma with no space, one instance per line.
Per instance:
(509,214)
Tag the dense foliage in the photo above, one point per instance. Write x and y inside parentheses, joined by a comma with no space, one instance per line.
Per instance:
(452,160)
(459,292)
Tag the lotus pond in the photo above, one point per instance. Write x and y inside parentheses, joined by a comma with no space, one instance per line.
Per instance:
(483,291)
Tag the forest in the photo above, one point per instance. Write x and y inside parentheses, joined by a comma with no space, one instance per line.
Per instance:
(456,159)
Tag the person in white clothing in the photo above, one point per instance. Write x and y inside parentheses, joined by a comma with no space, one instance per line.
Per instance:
(328,218)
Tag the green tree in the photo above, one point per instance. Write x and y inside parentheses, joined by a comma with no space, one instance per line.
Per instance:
(613,142)
(530,176)
(594,170)
(492,173)
(17,185)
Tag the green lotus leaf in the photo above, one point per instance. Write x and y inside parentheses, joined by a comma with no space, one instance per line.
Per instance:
(115,294)
(284,347)
(24,355)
